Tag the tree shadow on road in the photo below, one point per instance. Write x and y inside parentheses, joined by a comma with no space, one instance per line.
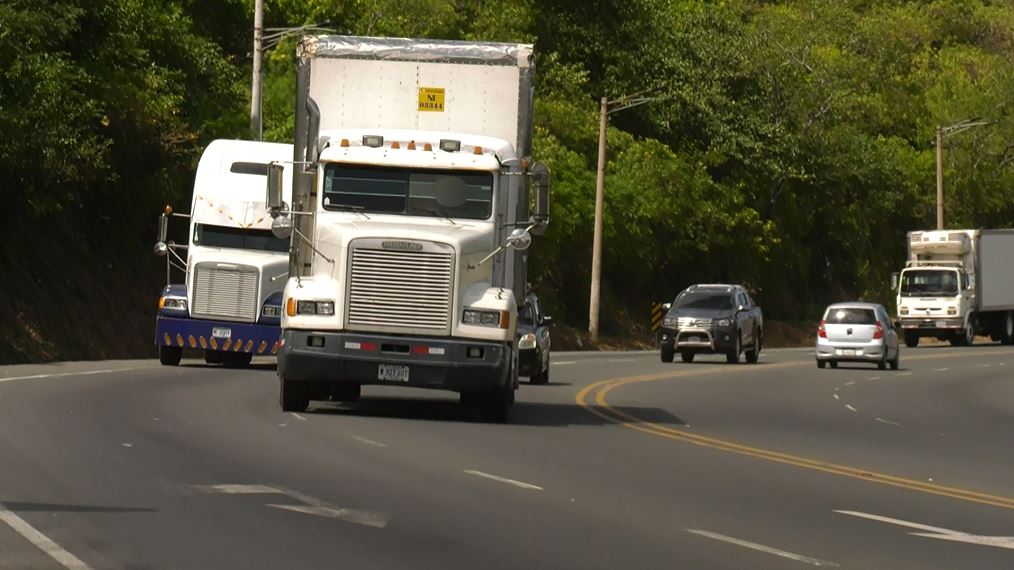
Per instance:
(523,414)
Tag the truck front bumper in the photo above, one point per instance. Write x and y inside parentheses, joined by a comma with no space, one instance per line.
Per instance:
(217,335)
(347,357)
(930,326)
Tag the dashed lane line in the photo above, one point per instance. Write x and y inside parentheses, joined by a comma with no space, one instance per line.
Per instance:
(761,548)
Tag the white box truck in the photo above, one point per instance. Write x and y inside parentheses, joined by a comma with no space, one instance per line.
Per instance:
(957,284)
(233,267)
(410,219)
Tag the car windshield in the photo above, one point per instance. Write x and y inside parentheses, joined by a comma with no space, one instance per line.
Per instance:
(408,191)
(238,238)
(929,282)
(704,300)
(850,316)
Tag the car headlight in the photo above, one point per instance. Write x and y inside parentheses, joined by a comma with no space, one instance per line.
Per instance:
(669,322)
(271,311)
(173,303)
(484,318)
(527,341)
(724,322)
(322,308)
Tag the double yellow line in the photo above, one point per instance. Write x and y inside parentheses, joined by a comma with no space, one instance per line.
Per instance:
(594,399)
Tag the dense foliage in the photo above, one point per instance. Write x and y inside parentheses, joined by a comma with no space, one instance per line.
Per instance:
(787,145)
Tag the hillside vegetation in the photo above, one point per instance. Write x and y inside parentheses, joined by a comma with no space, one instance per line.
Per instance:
(787,146)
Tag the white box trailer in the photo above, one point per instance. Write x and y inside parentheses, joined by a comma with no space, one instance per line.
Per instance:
(957,284)
(411,215)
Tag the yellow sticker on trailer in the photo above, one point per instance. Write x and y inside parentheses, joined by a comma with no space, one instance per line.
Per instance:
(431,99)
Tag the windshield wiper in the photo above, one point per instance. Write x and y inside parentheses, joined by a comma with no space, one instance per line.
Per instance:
(350,207)
(435,212)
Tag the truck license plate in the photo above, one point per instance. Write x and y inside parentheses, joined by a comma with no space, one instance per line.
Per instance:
(392,372)
(221,332)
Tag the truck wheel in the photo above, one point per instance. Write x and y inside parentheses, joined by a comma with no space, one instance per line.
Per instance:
(293,396)
(732,357)
(237,359)
(668,353)
(911,340)
(214,356)
(170,355)
(687,356)
(346,392)
(968,335)
(1008,329)
(496,406)
(753,353)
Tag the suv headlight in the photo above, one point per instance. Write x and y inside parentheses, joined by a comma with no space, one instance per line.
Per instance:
(322,308)
(484,318)
(527,341)
(724,322)
(173,303)
(669,322)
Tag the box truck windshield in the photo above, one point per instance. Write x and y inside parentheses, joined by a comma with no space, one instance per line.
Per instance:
(929,282)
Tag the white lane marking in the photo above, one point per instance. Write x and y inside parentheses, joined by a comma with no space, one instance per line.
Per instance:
(883,421)
(41,541)
(985,365)
(125,444)
(310,506)
(761,548)
(939,370)
(61,374)
(521,484)
(836,397)
(849,406)
(622,360)
(298,417)
(873,378)
(564,363)
(369,441)
(905,374)
(937,532)
(850,382)
(365,518)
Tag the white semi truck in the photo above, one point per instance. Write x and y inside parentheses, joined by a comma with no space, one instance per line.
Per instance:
(410,219)
(957,284)
(233,267)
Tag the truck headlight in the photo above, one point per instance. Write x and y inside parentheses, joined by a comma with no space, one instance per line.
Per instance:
(669,322)
(484,318)
(527,341)
(950,310)
(323,308)
(724,322)
(173,303)
(903,311)
(272,311)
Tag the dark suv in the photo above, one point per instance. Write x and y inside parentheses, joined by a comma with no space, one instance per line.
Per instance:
(712,319)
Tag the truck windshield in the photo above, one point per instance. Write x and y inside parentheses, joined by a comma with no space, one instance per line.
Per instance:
(701,300)
(408,191)
(238,238)
(929,282)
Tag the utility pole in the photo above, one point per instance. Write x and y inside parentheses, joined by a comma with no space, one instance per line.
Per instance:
(946,132)
(256,121)
(606,108)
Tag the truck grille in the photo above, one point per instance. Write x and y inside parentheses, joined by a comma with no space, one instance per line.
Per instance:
(692,322)
(225,291)
(400,289)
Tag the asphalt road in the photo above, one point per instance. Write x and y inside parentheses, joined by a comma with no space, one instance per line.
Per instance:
(620,462)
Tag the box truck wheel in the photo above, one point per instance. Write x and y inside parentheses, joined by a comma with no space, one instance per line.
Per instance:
(911,340)
(170,355)
(1008,329)
(293,396)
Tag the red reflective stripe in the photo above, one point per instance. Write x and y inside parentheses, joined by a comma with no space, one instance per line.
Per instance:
(368,346)
(420,349)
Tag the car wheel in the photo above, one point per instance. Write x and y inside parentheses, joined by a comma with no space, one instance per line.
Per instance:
(821,363)
(170,355)
(753,353)
(293,396)
(882,365)
(911,340)
(896,363)
(687,356)
(732,357)
(834,364)
(667,353)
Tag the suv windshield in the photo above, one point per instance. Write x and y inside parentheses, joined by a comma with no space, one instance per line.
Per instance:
(704,300)
(238,238)
(408,191)
(850,316)
(929,282)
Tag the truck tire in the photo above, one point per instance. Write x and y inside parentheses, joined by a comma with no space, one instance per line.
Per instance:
(687,356)
(753,353)
(667,353)
(732,357)
(170,355)
(911,340)
(214,356)
(293,396)
(495,406)
(237,359)
(1008,329)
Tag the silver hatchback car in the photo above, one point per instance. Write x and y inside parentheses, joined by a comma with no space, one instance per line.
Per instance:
(857,332)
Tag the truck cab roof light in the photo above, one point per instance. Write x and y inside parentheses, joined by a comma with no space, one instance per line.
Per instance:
(373,141)
(411,145)
(428,147)
(395,145)
(345,143)
(477,150)
(449,145)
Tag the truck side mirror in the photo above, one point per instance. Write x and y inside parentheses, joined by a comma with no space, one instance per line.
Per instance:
(540,181)
(274,198)
(519,239)
(894,282)
(161,248)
